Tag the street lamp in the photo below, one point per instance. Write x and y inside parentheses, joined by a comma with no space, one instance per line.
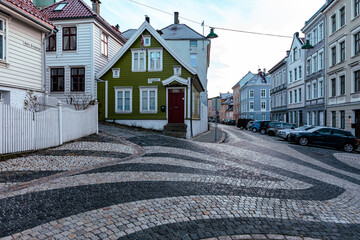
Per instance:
(307,45)
(212,34)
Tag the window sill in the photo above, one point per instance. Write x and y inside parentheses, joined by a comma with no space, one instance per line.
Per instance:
(355,55)
(57,91)
(138,70)
(148,112)
(4,64)
(123,112)
(155,70)
(355,18)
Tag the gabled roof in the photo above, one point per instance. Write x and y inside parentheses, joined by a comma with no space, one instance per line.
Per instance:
(28,8)
(136,35)
(247,77)
(181,32)
(279,64)
(78,9)
(128,33)
(257,80)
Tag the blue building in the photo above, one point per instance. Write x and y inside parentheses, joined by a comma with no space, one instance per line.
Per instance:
(255,97)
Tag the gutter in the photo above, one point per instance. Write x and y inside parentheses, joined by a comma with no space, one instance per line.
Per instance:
(53,31)
(27,15)
(191,110)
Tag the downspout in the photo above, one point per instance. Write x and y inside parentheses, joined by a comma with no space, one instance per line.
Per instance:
(53,31)
(191,110)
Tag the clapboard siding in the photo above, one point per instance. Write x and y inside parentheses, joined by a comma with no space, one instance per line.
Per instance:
(25,63)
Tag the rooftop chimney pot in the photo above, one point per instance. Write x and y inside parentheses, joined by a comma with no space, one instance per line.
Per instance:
(147,18)
(96,6)
(176,17)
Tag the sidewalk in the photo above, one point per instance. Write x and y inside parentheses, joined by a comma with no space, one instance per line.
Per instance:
(210,136)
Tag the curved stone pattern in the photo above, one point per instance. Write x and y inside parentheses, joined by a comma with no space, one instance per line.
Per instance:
(178,189)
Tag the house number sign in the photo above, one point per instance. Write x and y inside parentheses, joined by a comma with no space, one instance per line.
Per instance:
(29,45)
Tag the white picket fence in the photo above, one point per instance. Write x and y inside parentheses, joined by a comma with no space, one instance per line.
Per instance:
(25,131)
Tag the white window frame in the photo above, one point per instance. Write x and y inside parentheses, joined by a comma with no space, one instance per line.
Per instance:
(149,42)
(321,31)
(308,66)
(261,93)
(102,46)
(315,66)
(321,59)
(314,89)
(321,90)
(5,34)
(353,10)
(194,54)
(148,89)
(308,91)
(300,72)
(177,70)
(343,6)
(261,106)
(123,89)
(116,72)
(149,60)
(132,60)
(251,93)
(251,109)
(353,33)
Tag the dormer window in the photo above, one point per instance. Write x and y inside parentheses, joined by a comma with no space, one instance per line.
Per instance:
(60,7)
(177,71)
(116,72)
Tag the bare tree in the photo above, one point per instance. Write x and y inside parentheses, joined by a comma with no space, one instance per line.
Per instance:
(31,102)
(80,102)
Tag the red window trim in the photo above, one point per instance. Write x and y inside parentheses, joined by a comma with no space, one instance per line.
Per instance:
(57,76)
(69,40)
(77,75)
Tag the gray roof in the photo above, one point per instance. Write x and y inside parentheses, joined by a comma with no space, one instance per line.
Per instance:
(128,33)
(256,80)
(180,32)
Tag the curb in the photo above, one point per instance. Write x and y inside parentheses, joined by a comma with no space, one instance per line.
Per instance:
(223,137)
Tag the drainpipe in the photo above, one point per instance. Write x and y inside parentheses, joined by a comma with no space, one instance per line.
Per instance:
(191,110)
(53,31)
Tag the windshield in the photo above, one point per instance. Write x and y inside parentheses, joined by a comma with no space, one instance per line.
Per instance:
(305,128)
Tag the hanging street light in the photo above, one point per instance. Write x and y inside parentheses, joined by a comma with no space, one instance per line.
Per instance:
(307,45)
(212,34)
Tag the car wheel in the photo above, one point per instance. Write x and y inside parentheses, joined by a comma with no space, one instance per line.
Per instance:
(254,130)
(262,131)
(241,128)
(271,133)
(287,138)
(303,141)
(348,147)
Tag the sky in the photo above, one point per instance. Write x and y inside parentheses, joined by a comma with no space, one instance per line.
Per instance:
(233,54)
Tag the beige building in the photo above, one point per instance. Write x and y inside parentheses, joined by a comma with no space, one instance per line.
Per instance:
(343,65)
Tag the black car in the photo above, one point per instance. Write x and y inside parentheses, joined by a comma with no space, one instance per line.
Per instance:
(242,123)
(331,137)
(231,122)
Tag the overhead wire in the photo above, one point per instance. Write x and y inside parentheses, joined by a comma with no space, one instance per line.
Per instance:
(220,28)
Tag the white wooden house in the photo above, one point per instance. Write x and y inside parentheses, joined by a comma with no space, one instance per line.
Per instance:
(22,32)
(83,45)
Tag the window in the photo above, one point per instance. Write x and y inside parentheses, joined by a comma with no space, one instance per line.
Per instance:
(291,97)
(357,80)
(321,60)
(123,100)
(148,100)
(69,38)
(321,88)
(342,119)
(295,74)
(315,33)
(333,23)
(263,116)
(314,90)
(59,7)
(342,51)
(193,59)
(356,8)
(155,60)
(309,118)
(51,43)
(300,72)
(290,76)
(251,105)
(263,105)
(57,79)
(177,71)
(77,79)
(116,72)
(342,16)
(357,43)
(2,39)
(321,32)
(315,118)
(315,67)
(309,38)
(139,61)
(333,87)
(308,91)
(251,93)
(104,44)
(295,96)
(295,50)
(308,66)
(342,85)
(193,43)
(300,99)
(263,93)
(147,41)
(333,56)
(333,119)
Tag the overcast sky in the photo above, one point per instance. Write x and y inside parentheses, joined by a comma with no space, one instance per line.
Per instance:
(232,54)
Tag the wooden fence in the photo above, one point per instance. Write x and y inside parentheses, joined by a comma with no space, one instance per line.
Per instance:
(25,131)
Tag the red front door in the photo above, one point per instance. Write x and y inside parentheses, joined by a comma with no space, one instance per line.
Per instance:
(176,106)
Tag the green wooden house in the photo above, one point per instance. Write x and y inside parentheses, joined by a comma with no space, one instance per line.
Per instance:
(148,85)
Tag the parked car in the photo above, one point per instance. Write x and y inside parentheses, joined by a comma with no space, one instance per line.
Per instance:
(263,126)
(231,122)
(256,126)
(249,125)
(243,122)
(284,133)
(327,136)
(273,127)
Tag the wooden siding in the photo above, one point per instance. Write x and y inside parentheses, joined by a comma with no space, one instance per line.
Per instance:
(25,62)
(138,79)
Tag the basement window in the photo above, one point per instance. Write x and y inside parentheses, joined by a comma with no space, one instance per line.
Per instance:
(60,7)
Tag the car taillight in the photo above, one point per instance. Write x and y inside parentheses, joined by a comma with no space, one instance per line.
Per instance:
(268,126)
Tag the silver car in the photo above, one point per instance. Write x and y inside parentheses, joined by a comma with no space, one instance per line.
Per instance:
(285,133)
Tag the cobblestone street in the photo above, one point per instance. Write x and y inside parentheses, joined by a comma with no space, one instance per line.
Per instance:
(134,184)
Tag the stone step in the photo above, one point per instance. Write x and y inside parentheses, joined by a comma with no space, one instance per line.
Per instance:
(175,127)
(175,134)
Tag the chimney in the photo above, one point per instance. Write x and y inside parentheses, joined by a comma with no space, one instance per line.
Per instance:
(147,18)
(117,27)
(96,6)
(287,53)
(176,17)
